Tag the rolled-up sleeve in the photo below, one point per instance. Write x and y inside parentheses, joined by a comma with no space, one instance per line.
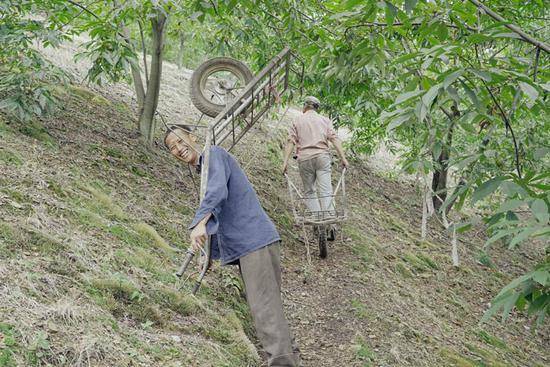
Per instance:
(330,133)
(216,191)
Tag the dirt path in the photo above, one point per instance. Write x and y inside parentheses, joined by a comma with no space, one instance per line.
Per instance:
(317,311)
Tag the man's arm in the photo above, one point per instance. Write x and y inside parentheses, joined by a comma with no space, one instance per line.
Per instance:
(335,140)
(205,221)
(340,151)
(289,148)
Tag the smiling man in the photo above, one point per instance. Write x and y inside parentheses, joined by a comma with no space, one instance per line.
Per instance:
(242,234)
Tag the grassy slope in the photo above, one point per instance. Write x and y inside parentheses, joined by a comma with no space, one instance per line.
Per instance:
(86,263)
(88,219)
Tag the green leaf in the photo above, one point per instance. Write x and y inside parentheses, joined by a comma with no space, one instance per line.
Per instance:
(350,4)
(406,57)
(542,277)
(528,89)
(510,205)
(398,122)
(408,95)
(309,50)
(450,79)
(522,236)
(540,210)
(427,99)
(478,38)
(487,188)
(482,74)
(467,161)
(391,13)
(509,304)
(501,234)
(409,5)
(513,284)
(510,188)
(471,95)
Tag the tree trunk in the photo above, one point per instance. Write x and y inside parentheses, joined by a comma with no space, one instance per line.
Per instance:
(136,74)
(146,118)
(439,180)
(138,86)
(179,58)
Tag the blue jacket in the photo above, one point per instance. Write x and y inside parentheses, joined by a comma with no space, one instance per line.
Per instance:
(239,224)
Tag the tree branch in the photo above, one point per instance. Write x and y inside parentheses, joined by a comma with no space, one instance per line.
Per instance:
(396,24)
(144,49)
(84,9)
(507,124)
(510,26)
(537,56)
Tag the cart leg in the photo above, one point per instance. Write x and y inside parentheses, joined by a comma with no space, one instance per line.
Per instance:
(308,254)
(322,236)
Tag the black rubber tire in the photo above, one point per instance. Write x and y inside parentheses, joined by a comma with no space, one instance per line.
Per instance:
(323,253)
(207,68)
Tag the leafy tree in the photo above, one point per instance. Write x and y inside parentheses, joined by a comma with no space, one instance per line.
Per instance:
(459,88)
(26,79)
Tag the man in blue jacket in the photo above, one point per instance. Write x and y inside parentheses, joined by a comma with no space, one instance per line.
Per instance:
(242,234)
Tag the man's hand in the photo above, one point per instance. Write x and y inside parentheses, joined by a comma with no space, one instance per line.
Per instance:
(198,236)
(345,163)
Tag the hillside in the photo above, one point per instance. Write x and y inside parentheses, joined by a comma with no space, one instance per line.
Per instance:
(93,226)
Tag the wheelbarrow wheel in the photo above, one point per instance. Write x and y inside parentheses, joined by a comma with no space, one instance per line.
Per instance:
(322,242)
(216,82)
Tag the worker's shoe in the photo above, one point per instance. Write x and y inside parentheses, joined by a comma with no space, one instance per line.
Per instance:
(331,233)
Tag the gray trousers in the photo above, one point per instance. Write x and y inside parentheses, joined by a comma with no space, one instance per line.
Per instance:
(316,178)
(261,273)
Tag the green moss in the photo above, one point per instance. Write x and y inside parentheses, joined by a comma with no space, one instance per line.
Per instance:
(487,338)
(184,304)
(5,129)
(420,262)
(36,131)
(140,258)
(151,236)
(28,239)
(89,219)
(122,108)
(6,232)
(457,360)
(428,261)
(100,100)
(9,345)
(126,235)
(18,196)
(114,152)
(489,358)
(56,189)
(103,201)
(363,351)
(138,171)
(123,299)
(363,253)
(274,153)
(359,309)
(402,269)
(484,259)
(81,92)
(10,157)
